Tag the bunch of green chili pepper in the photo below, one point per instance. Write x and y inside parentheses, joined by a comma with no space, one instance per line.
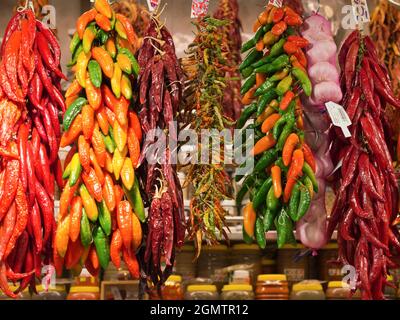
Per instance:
(283,182)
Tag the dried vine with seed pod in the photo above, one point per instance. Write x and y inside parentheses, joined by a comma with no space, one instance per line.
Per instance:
(205,67)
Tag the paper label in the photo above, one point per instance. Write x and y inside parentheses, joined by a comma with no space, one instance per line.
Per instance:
(339,117)
(152,4)
(360,11)
(276,3)
(199,8)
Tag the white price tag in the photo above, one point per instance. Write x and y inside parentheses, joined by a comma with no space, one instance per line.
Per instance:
(339,117)
(152,4)
(199,8)
(276,3)
(360,11)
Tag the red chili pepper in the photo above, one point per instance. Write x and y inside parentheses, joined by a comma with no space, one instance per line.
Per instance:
(10,186)
(47,55)
(364,173)
(6,229)
(4,286)
(45,164)
(351,168)
(386,92)
(46,206)
(12,26)
(53,113)
(23,134)
(31,173)
(52,139)
(367,90)
(36,223)
(346,225)
(355,204)
(58,172)
(10,60)
(21,250)
(93,185)
(52,40)
(350,64)
(28,29)
(37,120)
(299,41)
(11,93)
(353,102)
(278,15)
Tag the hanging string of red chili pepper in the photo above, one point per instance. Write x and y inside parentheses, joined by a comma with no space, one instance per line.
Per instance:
(30,102)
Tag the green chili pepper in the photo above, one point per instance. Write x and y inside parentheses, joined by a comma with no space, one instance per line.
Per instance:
(284,226)
(281,165)
(135,199)
(261,193)
(134,62)
(246,114)
(264,88)
(104,218)
(102,36)
(75,55)
(265,99)
(76,169)
(308,183)
(304,202)
(102,246)
(253,41)
(109,142)
(290,31)
(272,201)
(291,239)
(253,56)
(257,185)
(246,238)
(248,45)
(75,41)
(259,233)
(278,64)
(247,184)
(95,73)
(250,82)
(74,109)
(304,80)
(310,173)
(266,160)
(86,233)
(280,75)
(284,85)
(287,130)
(294,202)
(247,72)
(276,50)
(269,217)
(67,171)
(279,125)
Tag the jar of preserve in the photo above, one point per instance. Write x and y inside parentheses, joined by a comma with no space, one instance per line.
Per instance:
(292,264)
(57,292)
(172,289)
(307,291)
(201,292)
(84,293)
(249,254)
(272,287)
(212,259)
(338,290)
(237,292)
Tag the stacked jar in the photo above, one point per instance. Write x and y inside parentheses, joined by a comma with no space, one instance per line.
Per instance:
(237,292)
(272,287)
(201,292)
(307,291)
(172,289)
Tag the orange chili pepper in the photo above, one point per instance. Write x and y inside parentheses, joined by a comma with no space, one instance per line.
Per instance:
(279,28)
(119,194)
(249,219)
(74,253)
(276,175)
(93,94)
(260,79)
(105,61)
(101,117)
(84,153)
(76,215)
(84,20)
(108,192)
(269,123)
(263,145)
(291,142)
(109,98)
(96,166)
(130,32)
(249,96)
(131,262)
(121,111)
(301,57)
(98,146)
(74,89)
(69,156)
(103,22)
(70,100)
(66,198)
(286,100)
(124,220)
(309,156)
(62,236)
(109,165)
(87,121)
(133,147)
(93,257)
(111,48)
(134,123)
(116,248)
(93,185)
(103,7)
(73,132)
(260,45)
(137,232)
(278,15)
(290,47)
(295,171)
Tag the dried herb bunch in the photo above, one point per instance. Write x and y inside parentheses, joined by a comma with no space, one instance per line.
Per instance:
(229,10)
(205,67)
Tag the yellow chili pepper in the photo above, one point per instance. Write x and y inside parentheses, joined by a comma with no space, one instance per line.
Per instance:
(120,30)
(124,63)
(88,37)
(81,66)
(116,81)
(74,89)
(62,236)
(89,204)
(126,87)
(105,61)
(118,161)
(109,163)
(120,135)
(111,48)
(128,174)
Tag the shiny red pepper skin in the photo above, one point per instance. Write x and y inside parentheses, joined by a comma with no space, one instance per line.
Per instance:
(23,134)
(31,174)
(366,179)
(4,286)
(47,55)
(46,206)
(350,64)
(11,179)
(37,121)
(53,113)
(6,229)
(36,223)
(45,164)
(367,90)
(51,38)
(58,172)
(13,25)
(52,139)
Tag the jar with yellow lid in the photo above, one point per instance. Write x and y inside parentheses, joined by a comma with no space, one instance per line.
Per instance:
(57,292)
(237,292)
(84,293)
(328,267)
(390,292)
(172,288)
(201,292)
(272,287)
(24,295)
(307,291)
(211,260)
(339,290)
(291,263)
(249,254)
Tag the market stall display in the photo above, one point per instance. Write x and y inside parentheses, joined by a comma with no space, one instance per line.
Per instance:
(229,10)
(30,101)
(283,181)
(160,94)
(367,192)
(205,67)
(101,209)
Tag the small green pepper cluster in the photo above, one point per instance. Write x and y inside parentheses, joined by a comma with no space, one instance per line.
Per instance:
(283,181)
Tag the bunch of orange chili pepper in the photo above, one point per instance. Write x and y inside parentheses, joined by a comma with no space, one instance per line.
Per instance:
(101,208)
(30,100)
